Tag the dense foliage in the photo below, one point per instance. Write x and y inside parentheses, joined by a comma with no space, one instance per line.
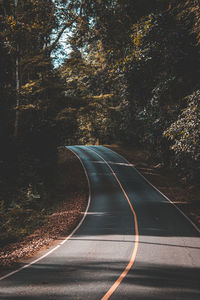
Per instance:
(132,76)
(145,56)
(27,128)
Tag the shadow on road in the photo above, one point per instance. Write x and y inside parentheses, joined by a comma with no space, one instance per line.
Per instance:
(61,282)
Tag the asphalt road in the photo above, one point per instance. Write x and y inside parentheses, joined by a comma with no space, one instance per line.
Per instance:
(133,244)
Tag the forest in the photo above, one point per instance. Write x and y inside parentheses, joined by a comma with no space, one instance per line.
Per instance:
(88,72)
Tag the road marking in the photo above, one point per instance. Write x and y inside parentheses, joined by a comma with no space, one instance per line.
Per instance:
(66,239)
(133,257)
(155,188)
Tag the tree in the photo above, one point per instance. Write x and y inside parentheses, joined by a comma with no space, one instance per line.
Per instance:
(184,135)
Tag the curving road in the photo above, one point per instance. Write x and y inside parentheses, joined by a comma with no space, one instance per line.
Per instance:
(133,244)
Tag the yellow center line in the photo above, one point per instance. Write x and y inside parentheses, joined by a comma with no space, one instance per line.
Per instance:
(136,244)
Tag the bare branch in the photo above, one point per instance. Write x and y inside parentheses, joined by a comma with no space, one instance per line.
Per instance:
(50,48)
(81,8)
(53,45)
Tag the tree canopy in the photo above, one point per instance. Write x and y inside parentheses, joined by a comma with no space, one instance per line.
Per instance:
(131,75)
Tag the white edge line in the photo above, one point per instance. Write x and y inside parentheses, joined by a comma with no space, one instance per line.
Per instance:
(191,222)
(67,238)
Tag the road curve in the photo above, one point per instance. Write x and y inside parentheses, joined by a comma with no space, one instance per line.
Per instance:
(133,244)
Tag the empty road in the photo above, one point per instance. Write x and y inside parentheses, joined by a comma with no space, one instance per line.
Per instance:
(133,244)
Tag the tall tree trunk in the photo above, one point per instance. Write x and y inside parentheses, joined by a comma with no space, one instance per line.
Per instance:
(16,125)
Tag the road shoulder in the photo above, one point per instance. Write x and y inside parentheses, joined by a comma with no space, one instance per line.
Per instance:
(71,196)
(165,180)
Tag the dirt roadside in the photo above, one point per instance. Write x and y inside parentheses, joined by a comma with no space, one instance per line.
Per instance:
(165,180)
(71,192)
(72,195)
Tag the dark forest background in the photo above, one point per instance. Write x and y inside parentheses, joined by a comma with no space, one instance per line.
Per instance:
(132,75)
